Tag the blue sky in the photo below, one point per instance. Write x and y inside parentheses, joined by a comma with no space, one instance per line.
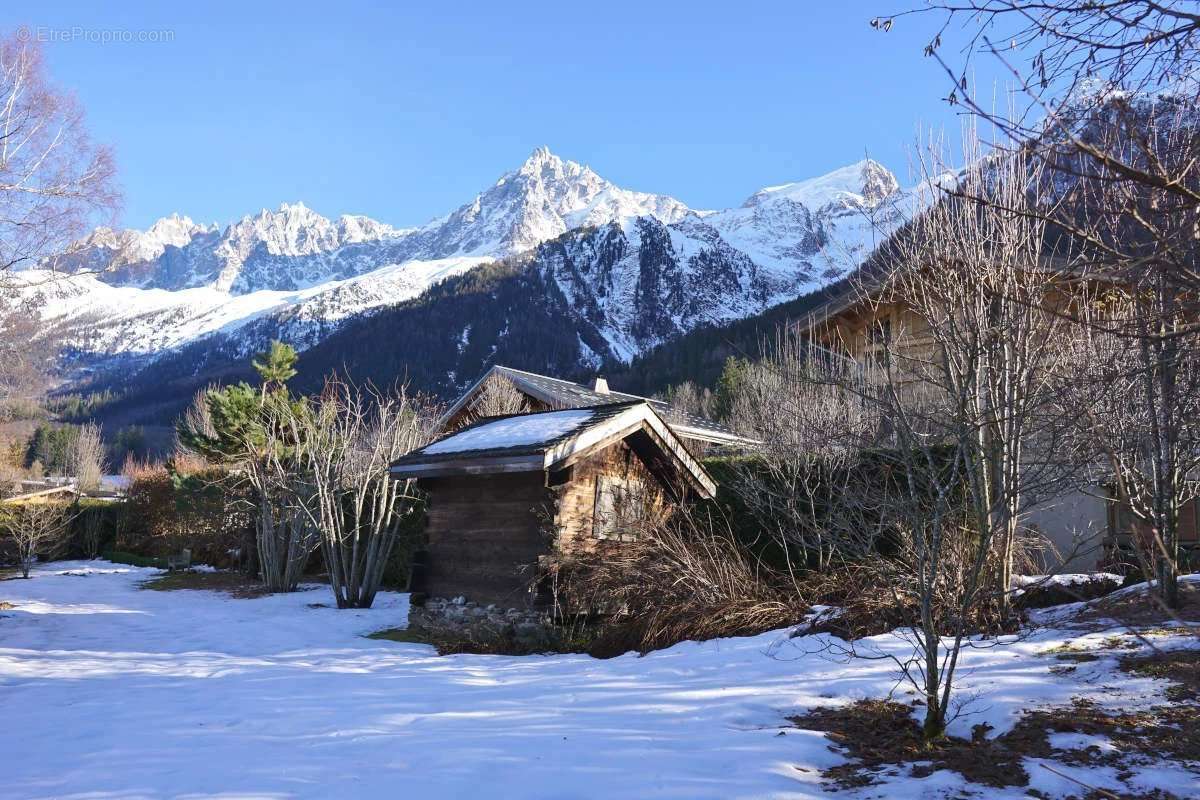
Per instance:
(403,111)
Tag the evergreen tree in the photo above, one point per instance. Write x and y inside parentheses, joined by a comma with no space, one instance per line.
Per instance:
(254,430)
(275,366)
(728,385)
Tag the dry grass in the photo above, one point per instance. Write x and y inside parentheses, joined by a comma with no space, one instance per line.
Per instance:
(234,584)
(1180,667)
(685,579)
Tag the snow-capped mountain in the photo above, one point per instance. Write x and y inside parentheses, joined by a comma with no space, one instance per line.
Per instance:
(641,283)
(823,224)
(638,268)
(545,197)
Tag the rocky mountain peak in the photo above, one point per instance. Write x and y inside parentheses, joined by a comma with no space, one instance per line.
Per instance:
(864,184)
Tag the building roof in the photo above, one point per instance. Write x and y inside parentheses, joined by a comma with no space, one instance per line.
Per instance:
(553,440)
(567,394)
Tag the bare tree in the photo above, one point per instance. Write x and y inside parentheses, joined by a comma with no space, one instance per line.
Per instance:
(54,181)
(691,399)
(346,441)
(86,458)
(1068,59)
(28,346)
(286,537)
(985,335)
(1109,104)
(36,529)
(53,178)
(1136,412)
(955,375)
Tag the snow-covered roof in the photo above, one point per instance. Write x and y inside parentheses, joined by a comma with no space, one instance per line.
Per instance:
(519,431)
(554,440)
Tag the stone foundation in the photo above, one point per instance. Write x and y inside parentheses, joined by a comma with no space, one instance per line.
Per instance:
(472,620)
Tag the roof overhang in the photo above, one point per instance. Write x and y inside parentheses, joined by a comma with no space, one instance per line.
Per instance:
(470,466)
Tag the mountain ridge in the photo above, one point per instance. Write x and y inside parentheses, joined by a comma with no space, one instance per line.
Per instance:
(633,269)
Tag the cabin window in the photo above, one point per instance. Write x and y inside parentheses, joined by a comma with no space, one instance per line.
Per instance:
(616,508)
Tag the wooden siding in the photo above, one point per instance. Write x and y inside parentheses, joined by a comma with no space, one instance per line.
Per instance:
(488,535)
(574,520)
(485,535)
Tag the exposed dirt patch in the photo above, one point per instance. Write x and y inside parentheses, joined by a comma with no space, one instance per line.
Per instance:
(1180,667)
(881,737)
(482,641)
(406,635)
(232,583)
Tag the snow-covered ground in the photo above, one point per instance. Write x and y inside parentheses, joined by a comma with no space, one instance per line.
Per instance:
(110,691)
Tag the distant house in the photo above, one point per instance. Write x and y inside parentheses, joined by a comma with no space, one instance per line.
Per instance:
(506,492)
(856,326)
(543,393)
(53,494)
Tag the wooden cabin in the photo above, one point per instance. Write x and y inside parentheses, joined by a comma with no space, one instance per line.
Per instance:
(533,392)
(504,492)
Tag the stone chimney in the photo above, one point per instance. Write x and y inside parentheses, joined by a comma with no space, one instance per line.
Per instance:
(600,385)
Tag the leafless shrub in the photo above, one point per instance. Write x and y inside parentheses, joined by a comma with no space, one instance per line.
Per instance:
(691,399)
(497,398)
(197,418)
(806,484)
(36,529)
(86,458)
(345,442)
(92,532)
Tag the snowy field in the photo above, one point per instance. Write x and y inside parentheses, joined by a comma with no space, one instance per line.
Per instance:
(110,691)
